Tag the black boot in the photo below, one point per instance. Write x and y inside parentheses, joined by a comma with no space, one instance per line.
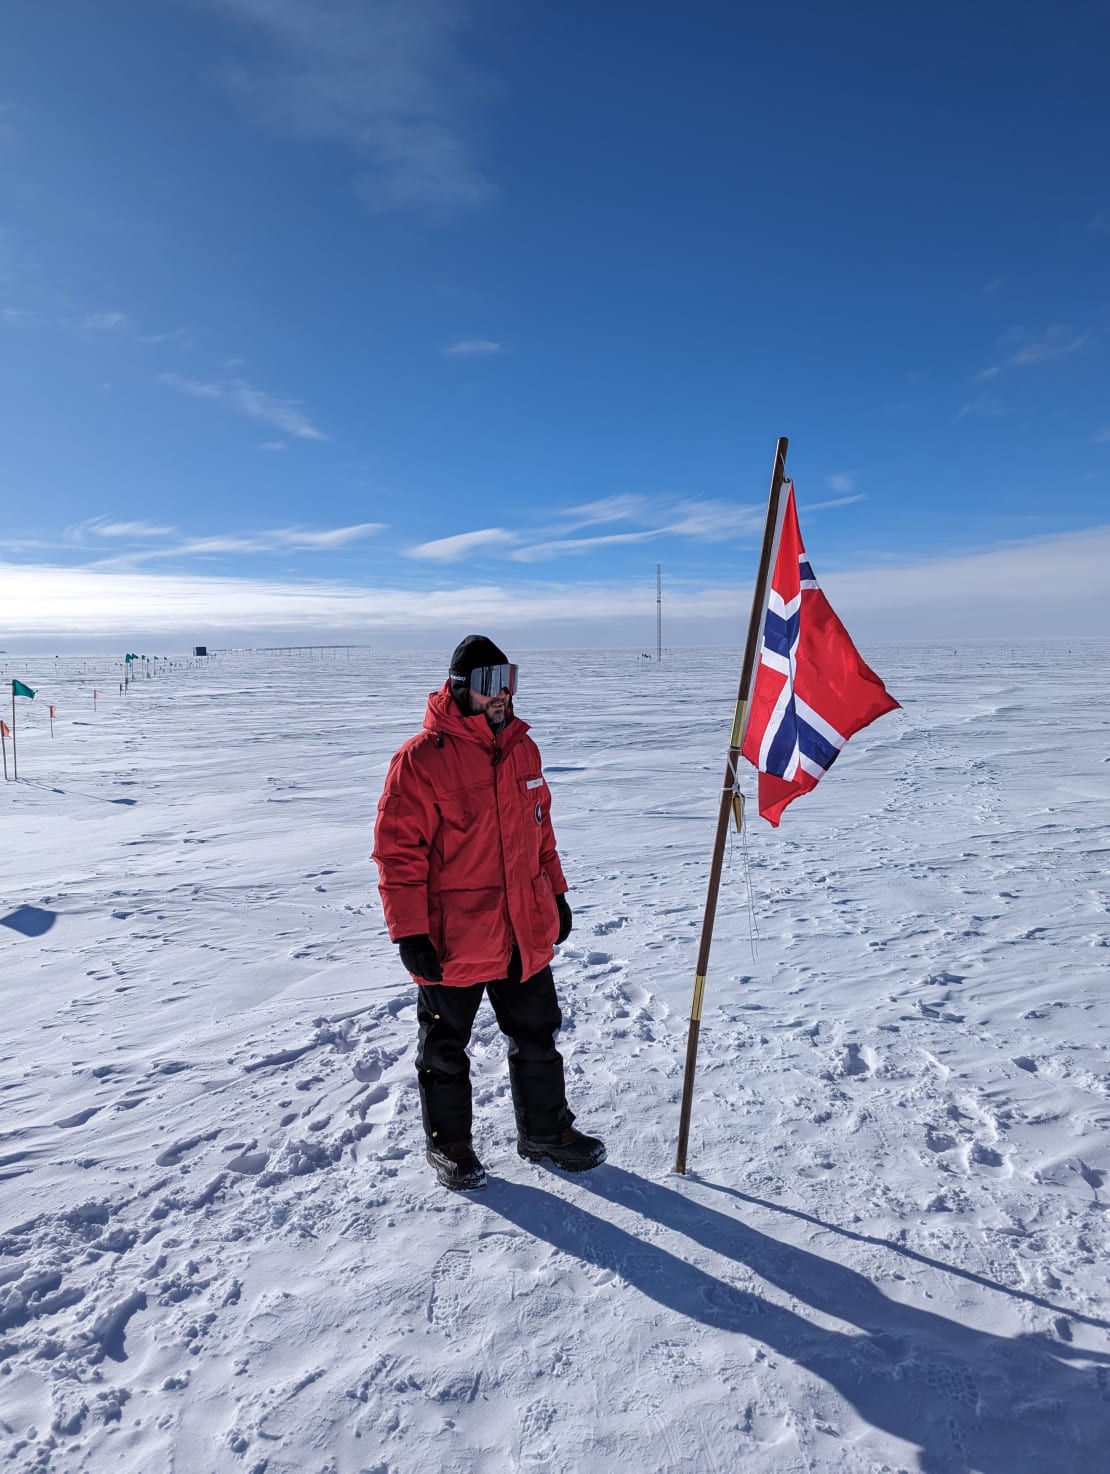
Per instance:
(573,1151)
(457,1167)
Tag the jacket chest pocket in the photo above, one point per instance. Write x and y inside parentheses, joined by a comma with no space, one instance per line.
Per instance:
(464,813)
(461,808)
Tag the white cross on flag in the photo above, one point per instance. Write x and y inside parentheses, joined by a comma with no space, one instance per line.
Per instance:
(812,690)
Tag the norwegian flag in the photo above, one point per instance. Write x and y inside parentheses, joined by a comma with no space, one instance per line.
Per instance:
(811,690)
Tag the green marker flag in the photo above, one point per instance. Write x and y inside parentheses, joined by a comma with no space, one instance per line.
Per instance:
(18,689)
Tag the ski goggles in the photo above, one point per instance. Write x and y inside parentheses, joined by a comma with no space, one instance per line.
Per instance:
(489,680)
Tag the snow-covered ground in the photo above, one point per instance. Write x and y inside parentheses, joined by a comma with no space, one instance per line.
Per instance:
(223,1249)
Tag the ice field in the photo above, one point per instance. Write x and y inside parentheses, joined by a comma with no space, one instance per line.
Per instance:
(223,1251)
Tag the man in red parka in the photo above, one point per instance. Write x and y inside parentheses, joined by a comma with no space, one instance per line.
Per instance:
(475,897)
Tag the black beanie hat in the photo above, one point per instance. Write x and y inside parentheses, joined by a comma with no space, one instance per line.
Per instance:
(475,651)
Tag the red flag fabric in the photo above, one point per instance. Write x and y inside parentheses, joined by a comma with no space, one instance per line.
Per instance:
(812,690)
(5,730)
(53,711)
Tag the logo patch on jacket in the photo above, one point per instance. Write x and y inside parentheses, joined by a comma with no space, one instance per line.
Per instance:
(539,814)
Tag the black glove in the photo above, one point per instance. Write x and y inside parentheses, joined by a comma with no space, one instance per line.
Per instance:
(419,956)
(566,920)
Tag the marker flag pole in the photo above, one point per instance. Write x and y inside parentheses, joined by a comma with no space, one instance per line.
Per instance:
(53,709)
(5,733)
(731,803)
(18,689)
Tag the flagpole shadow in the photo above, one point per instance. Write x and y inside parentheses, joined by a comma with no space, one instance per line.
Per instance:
(965,1398)
(907,1253)
(93,798)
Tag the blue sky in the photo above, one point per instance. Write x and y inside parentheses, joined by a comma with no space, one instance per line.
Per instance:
(357,319)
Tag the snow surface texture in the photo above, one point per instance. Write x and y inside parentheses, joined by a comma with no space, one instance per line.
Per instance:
(223,1249)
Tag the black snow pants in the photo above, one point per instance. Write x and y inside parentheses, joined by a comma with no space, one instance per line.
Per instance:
(528,1014)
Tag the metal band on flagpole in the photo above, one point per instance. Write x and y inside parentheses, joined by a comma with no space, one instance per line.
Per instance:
(729,796)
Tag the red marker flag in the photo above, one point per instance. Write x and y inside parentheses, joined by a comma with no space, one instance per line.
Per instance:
(5,730)
(812,689)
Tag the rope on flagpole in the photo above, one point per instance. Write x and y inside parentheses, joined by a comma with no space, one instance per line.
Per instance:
(731,805)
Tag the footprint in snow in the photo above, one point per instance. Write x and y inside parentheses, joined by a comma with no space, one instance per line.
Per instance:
(249,1164)
(535,1426)
(939,1141)
(856,1059)
(450,1275)
(174,1153)
(985,1156)
(604,928)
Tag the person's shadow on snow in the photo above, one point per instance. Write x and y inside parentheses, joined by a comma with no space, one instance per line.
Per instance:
(966,1398)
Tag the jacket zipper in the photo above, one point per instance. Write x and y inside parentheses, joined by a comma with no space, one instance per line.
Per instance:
(497,754)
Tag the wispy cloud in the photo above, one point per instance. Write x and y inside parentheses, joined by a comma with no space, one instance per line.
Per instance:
(273,540)
(701,521)
(626,508)
(556,547)
(840,501)
(272,445)
(122,324)
(1102,437)
(77,534)
(474,348)
(104,528)
(386,80)
(986,405)
(23,544)
(183,337)
(332,537)
(105,322)
(462,545)
(838,481)
(1059,341)
(237,395)
(712,520)
(994,286)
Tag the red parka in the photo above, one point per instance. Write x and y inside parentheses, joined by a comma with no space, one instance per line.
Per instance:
(465,848)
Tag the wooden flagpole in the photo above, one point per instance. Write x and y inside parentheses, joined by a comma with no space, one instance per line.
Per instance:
(730,798)
(15,759)
(4,744)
